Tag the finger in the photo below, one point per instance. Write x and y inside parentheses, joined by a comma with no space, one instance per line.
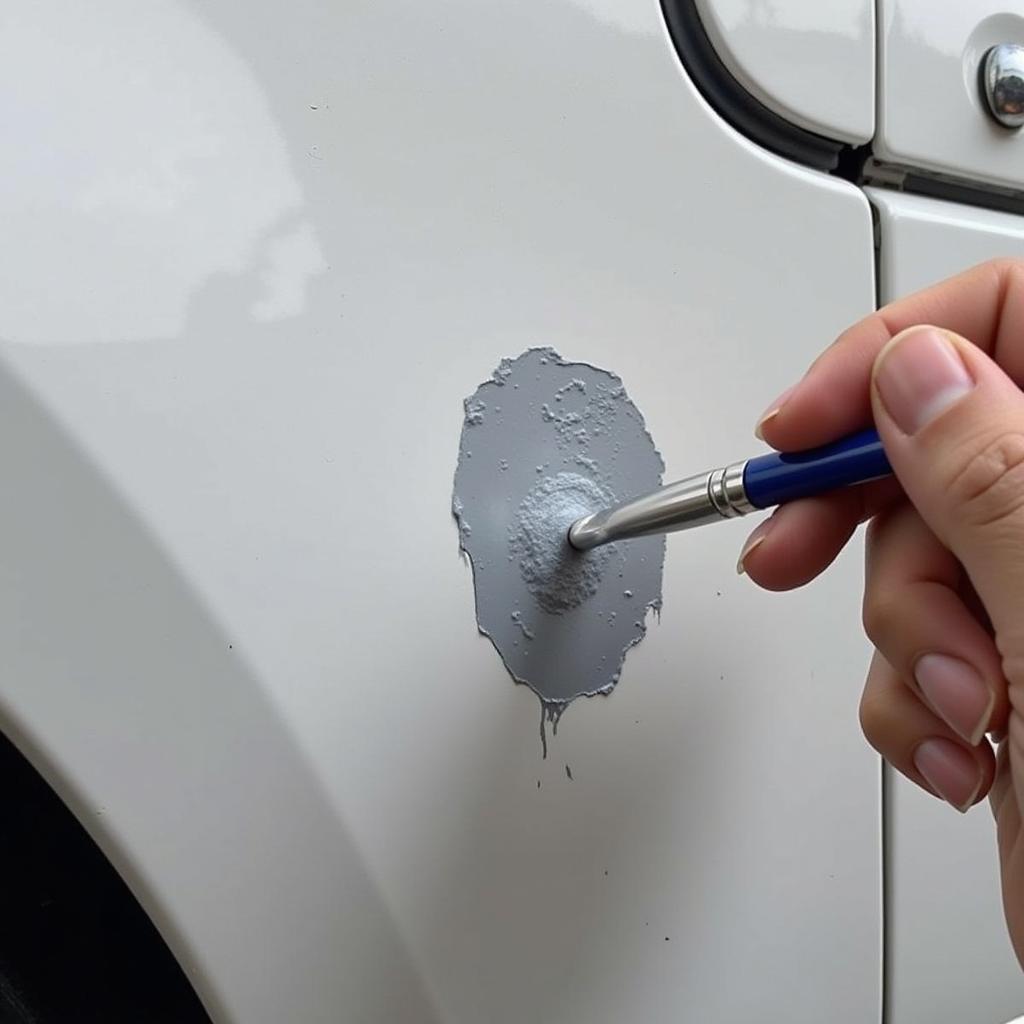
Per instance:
(802,539)
(916,618)
(970,598)
(1010,837)
(953,427)
(1002,811)
(920,745)
(985,304)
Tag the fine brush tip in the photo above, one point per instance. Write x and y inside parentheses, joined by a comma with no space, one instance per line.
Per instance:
(581,536)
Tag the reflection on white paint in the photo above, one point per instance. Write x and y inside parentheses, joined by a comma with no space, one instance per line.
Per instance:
(637,16)
(810,62)
(842,17)
(953,30)
(141,161)
(291,261)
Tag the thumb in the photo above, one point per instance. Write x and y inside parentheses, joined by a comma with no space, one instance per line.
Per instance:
(953,427)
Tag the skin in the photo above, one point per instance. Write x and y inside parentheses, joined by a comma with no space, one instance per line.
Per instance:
(945,553)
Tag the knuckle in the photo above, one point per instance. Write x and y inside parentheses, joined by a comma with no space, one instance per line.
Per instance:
(988,488)
(877,615)
(874,719)
(1007,272)
(1007,265)
(875,526)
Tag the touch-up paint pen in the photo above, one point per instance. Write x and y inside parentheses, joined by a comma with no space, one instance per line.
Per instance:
(758,483)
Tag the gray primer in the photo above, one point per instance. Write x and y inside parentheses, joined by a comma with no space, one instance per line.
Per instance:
(543,443)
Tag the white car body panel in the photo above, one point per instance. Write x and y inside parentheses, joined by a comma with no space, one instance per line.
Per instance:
(254,257)
(811,62)
(931,112)
(949,956)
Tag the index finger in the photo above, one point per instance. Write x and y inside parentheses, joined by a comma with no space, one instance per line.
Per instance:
(984,305)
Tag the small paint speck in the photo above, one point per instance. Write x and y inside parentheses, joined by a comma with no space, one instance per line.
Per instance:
(666,938)
(517,618)
(538,783)
(627,593)
(568,771)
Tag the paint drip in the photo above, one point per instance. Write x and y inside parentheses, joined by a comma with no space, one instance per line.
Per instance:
(544,442)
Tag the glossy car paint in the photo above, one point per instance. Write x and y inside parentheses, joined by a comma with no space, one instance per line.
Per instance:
(253,258)
(949,958)
(811,62)
(931,113)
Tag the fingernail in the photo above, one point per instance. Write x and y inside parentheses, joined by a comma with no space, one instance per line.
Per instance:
(772,411)
(919,375)
(957,693)
(753,541)
(950,771)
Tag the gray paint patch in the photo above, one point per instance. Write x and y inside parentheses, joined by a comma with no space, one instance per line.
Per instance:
(543,443)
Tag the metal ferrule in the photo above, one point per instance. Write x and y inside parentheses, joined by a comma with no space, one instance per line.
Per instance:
(705,498)
(725,488)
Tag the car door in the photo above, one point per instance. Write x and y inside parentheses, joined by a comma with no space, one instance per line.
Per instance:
(944,179)
(255,257)
(943,910)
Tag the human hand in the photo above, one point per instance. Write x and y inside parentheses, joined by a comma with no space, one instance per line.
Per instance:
(944,582)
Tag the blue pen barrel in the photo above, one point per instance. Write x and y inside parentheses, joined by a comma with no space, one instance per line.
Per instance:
(785,476)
